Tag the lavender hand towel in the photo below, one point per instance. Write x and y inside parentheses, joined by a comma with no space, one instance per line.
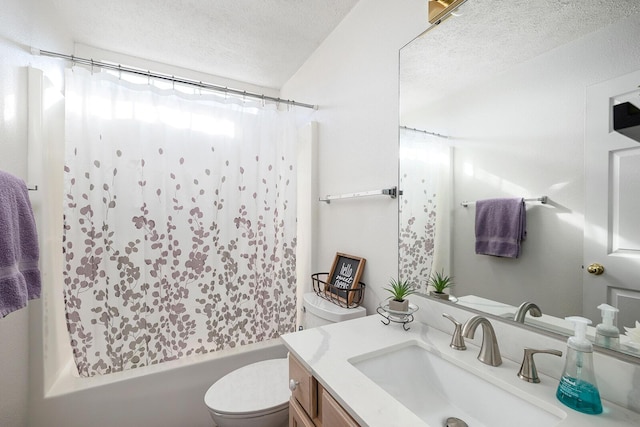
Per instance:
(19,252)
(500,227)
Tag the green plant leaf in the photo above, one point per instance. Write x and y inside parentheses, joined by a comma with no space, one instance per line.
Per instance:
(400,289)
(440,281)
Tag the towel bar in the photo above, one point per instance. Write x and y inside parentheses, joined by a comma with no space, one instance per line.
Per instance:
(391,192)
(543,200)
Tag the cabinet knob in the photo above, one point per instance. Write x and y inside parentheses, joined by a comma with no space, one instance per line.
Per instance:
(293,384)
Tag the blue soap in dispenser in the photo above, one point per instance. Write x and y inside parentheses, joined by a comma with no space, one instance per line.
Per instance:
(577,388)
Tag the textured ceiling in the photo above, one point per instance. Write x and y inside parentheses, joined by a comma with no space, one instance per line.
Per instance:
(262,42)
(490,36)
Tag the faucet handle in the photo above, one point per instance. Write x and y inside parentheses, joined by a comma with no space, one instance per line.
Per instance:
(457,342)
(528,371)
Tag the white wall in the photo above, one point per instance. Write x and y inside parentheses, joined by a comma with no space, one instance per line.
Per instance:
(522,134)
(353,77)
(23,23)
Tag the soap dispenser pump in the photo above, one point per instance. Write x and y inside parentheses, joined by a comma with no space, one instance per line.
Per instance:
(607,335)
(577,388)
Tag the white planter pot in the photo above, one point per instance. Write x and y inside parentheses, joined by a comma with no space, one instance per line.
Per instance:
(399,305)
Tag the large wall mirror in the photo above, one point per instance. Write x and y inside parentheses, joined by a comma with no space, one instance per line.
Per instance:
(513,99)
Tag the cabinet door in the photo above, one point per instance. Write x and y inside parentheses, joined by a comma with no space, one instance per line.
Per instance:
(297,416)
(305,390)
(333,414)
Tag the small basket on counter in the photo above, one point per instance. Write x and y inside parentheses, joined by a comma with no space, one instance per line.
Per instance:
(346,298)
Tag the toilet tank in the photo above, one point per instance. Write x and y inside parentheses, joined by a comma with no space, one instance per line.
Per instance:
(317,311)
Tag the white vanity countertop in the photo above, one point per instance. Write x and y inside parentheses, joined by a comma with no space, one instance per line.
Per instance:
(325,351)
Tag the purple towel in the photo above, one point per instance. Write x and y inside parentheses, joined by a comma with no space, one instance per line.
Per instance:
(19,274)
(500,227)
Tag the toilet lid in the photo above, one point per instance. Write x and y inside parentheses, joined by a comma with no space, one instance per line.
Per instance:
(259,387)
(330,311)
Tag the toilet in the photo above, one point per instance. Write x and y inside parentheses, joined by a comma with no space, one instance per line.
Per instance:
(257,395)
(317,311)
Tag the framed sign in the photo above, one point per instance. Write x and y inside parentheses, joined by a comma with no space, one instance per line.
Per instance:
(344,275)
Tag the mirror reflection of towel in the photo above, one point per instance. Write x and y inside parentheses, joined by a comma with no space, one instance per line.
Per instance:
(19,252)
(500,227)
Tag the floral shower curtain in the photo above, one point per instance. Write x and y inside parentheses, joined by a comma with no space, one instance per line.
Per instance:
(179,230)
(424,165)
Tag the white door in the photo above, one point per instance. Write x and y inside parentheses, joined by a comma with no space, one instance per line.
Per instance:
(612,204)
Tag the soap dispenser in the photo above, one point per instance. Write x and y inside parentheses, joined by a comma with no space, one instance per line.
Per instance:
(607,335)
(577,388)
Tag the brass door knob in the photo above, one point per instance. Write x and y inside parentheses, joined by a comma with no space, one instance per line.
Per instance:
(595,269)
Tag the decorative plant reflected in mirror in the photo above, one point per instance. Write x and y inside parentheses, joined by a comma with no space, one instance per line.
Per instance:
(504,86)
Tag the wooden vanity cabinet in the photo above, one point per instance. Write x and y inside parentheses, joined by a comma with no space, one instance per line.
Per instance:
(310,404)
(297,416)
(304,395)
(333,414)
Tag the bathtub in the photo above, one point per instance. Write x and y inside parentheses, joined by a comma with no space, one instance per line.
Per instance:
(166,395)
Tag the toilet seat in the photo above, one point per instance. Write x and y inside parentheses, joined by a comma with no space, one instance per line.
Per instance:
(250,415)
(254,390)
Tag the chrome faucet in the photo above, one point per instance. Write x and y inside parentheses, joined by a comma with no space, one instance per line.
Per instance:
(489,352)
(525,307)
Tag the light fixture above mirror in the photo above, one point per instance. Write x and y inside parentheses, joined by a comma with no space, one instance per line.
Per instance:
(439,9)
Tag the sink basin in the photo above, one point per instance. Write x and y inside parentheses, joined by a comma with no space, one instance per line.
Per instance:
(435,389)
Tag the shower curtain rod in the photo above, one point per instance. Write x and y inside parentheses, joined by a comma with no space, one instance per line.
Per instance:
(181,80)
(425,131)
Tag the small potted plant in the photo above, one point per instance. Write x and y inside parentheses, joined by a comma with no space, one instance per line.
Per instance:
(440,281)
(400,290)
